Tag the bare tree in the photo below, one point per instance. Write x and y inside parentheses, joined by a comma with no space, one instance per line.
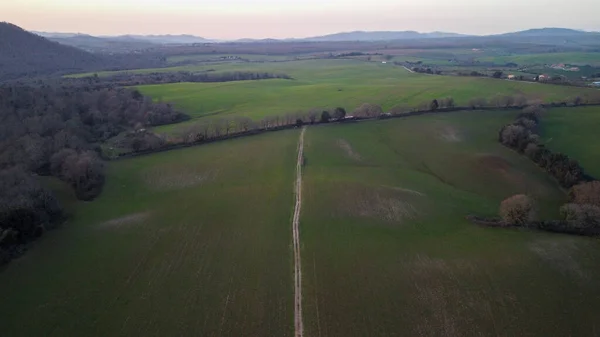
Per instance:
(518,210)
(447,102)
(368,110)
(400,109)
(581,216)
(312,116)
(586,193)
(228,125)
(217,127)
(520,101)
(477,102)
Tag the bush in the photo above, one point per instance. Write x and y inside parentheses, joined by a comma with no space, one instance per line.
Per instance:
(434,105)
(517,210)
(339,113)
(581,216)
(325,117)
(511,135)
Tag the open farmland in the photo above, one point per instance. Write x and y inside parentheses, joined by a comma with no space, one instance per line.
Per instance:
(227,57)
(198,241)
(194,242)
(575,133)
(388,252)
(331,83)
(577,58)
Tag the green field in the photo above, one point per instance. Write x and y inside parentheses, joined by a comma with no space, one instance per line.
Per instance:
(575,133)
(387,250)
(578,58)
(331,83)
(211,57)
(194,242)
(198,242)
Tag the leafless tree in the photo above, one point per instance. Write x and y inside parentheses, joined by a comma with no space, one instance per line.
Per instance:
(518,210)
(368,110)
(581,216)
(586,193)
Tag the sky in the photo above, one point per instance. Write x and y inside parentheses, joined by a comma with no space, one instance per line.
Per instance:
(232,19)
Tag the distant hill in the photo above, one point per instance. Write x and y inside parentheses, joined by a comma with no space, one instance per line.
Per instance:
(162,39)
(100,45)
(121,43)
(381,36)
(23,53)
(542,32)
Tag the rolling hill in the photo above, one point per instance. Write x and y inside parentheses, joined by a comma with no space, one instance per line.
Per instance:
(381,36)
(162,39)
(550,32)
(96,44)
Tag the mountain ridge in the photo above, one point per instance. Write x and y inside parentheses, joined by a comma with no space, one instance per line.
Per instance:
(24,53)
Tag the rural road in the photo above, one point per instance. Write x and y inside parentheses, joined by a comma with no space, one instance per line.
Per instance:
(299,327)
(409,70)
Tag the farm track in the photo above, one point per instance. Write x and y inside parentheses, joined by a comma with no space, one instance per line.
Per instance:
(299,328)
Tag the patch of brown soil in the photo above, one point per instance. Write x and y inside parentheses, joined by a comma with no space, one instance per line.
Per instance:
(385,204)
(344,145)
(450,134)
(492,162)
(125,220)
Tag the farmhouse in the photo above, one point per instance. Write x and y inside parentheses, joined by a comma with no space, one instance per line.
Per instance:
(596,84)
(511,77)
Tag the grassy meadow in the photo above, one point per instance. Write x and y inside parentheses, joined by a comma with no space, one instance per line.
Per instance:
(575,133)
(332,83)
(212,57)
(194,242)
(387,250)
(577,58)
(198,241)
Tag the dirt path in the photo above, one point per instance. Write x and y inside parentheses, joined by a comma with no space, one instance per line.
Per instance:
(299,327)
(409,70)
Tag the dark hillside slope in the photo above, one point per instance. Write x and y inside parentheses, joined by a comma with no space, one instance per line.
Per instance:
(26,54)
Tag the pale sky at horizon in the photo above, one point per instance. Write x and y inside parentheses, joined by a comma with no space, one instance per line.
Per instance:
(231,19)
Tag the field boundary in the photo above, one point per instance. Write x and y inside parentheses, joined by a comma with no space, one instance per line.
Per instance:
(333,122)
(298,325)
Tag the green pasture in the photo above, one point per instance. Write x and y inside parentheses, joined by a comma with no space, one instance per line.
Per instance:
(332,83)
(193,242)
(387,250)
(574,131)
(198,241)
(577,58)
(212,57)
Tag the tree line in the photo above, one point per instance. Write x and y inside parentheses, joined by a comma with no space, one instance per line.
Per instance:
(521,136)
(53,130)
(213,129)
(581,215)
(132,79)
